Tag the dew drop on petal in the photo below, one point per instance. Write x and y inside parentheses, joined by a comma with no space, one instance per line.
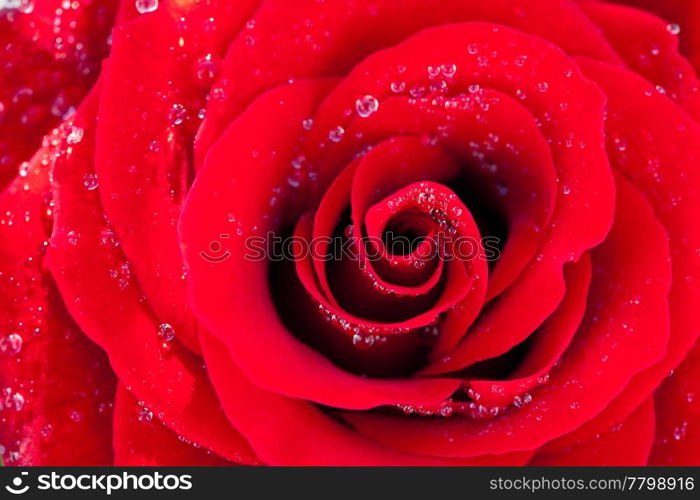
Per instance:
(307,124)
(72,238)
(680,431)
(177,114)
(336,134)
(24,169)
(11,344)
(166,332)
(363,341)
(75,135)
(673,28)
(206,69)
(448,69)
(108,238)
(366,106)
(146,6)
(398,87)
(18,401)
(145,415)
(90,182)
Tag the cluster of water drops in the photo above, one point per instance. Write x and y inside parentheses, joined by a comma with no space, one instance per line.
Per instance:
(362,336)
(472,408)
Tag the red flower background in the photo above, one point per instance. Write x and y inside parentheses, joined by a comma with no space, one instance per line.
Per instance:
(137,137)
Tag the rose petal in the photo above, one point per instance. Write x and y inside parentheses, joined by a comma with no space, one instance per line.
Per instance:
(678,415)
(103,297)
(328,39)
(649,49)
(685,13)
(617,339)
(241,284)
(145,83)
(655,157)
(57,387)
(140,439)
(50,57)
(627,444)
(288,431)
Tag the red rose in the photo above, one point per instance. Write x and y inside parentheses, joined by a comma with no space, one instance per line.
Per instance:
(199,264)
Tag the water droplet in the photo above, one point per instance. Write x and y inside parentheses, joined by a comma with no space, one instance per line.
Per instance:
(673,28)
(307,124)
(146,6)
(680,431)
(11,344)
(473,48)
(398,87)
(294,181)
(336,134)
(363,341)
(543,87)
(448,70)
(166,332)
(24,169)
(177,114)
(90,182)
(75,135)
(18,401)
(366,106)
(206,69)
(72,238)
(145,415)
(108,238)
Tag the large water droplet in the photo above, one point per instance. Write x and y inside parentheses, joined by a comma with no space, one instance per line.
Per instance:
(24,169)
(11,344)
(18,401)
(366,106)
(166,332)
